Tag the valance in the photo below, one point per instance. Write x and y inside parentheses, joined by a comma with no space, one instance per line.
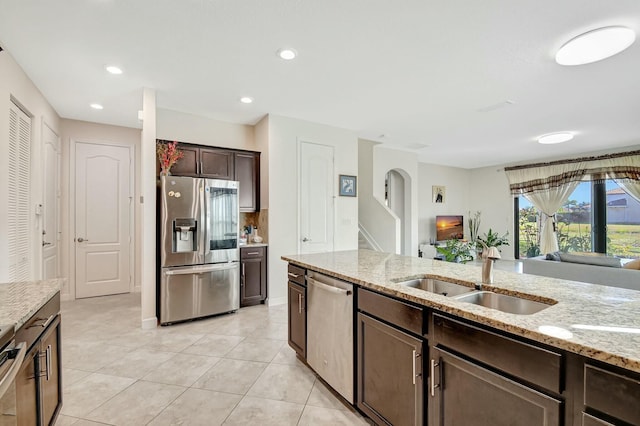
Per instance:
(531,178)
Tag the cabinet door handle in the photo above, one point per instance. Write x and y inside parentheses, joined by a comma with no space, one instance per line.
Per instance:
(434,364)
(252,253)
(201,168)
(299,303)
(48,362)
(243,269)
(415,359)
(291,274)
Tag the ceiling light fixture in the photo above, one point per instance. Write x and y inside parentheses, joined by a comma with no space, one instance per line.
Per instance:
(96,106)
(246,100)
(113,69)
(595,45)
(558,137)
(287,54)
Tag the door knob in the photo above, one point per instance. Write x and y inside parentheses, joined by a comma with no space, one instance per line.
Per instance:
(305,239)
(44,243)
(80,240)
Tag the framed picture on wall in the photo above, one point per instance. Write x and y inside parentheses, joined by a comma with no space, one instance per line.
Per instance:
(348,186)
(438,194)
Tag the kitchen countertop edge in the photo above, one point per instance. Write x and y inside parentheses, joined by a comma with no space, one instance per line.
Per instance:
(19,301)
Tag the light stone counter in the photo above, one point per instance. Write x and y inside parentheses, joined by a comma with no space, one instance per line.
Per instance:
(19,301)
(595,321)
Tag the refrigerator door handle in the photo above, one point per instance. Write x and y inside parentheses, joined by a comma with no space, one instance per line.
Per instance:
(202,269)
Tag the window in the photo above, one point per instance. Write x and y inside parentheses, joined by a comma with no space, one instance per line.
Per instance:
(598,216)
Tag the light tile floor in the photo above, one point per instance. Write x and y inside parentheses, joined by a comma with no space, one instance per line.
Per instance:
(235,369)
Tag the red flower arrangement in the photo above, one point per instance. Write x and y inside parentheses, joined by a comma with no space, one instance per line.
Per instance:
(168,154)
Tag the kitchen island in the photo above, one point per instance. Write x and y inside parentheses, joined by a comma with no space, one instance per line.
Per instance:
(33,308)
(587,337)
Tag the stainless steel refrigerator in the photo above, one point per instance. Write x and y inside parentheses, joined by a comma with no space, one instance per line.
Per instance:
(198,248)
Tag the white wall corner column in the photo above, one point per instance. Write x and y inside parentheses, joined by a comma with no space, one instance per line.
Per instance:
(148,200)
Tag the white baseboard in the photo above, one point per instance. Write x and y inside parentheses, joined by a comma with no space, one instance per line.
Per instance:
(149,323)
(275,301)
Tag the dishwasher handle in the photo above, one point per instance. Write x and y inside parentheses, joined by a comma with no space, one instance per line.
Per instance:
(327,287)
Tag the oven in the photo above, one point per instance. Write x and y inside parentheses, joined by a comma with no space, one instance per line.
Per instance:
(11,357)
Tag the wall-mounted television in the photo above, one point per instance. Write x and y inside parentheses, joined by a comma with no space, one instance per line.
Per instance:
(449,228)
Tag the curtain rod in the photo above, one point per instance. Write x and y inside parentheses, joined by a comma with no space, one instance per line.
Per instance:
(576,160)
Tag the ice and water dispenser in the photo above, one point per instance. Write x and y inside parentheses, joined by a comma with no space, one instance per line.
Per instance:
(185,235)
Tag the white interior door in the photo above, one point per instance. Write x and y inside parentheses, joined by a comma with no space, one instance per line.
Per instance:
(51,204)
(317,199)
(103,219)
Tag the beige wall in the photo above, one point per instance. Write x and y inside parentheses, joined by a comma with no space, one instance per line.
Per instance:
(183,127)
(14,83)
(82,131)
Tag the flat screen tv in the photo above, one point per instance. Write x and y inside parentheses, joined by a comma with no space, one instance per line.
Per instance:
(449,228)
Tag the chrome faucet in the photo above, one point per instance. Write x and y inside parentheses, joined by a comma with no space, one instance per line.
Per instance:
(489,256)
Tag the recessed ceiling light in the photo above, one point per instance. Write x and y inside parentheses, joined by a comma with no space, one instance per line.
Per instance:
(96,106)
(595,45)
(552,138)
(287,54)
(113,69)
(246,100)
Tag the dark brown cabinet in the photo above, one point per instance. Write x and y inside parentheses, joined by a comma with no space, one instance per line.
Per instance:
(204,162)
(247,168)
(38,384)
(483,378)
(464,393)
(390,386)
(253,275)
(613,395)
(297,316)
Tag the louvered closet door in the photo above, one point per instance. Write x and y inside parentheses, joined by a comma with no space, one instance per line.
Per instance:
(18,194)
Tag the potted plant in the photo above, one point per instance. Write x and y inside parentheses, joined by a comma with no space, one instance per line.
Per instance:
(456,251)
(493,239)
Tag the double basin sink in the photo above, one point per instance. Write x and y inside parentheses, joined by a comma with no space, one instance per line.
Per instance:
(469,293)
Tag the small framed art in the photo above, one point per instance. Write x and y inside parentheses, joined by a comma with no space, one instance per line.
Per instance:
(348,186)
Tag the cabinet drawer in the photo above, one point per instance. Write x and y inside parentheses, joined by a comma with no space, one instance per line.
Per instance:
(296,274)
(535,365)
(398,313)
(33,328)
(251,252)
(588,420)
(612,394)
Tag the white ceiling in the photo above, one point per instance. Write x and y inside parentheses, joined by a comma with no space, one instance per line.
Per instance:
(434,73)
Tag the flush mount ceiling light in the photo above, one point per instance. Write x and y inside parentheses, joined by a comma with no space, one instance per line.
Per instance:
(287,54)
(595,45)
(246,100)
(552,138)
(113,69)
(96,106)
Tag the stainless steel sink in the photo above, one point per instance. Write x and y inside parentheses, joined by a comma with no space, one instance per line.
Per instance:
(433,285)
(503,302)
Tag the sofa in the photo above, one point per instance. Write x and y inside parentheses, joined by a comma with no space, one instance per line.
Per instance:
(588,268)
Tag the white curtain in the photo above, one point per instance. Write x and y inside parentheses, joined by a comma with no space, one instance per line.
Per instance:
(631,187)
(549,202)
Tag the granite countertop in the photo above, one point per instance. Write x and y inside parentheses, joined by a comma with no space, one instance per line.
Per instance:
(20,300)
(595,321)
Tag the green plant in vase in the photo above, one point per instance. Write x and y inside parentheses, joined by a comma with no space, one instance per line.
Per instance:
(493,239)
(456,251)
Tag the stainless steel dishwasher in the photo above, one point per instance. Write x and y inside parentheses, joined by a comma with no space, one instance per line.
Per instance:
(330,331)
